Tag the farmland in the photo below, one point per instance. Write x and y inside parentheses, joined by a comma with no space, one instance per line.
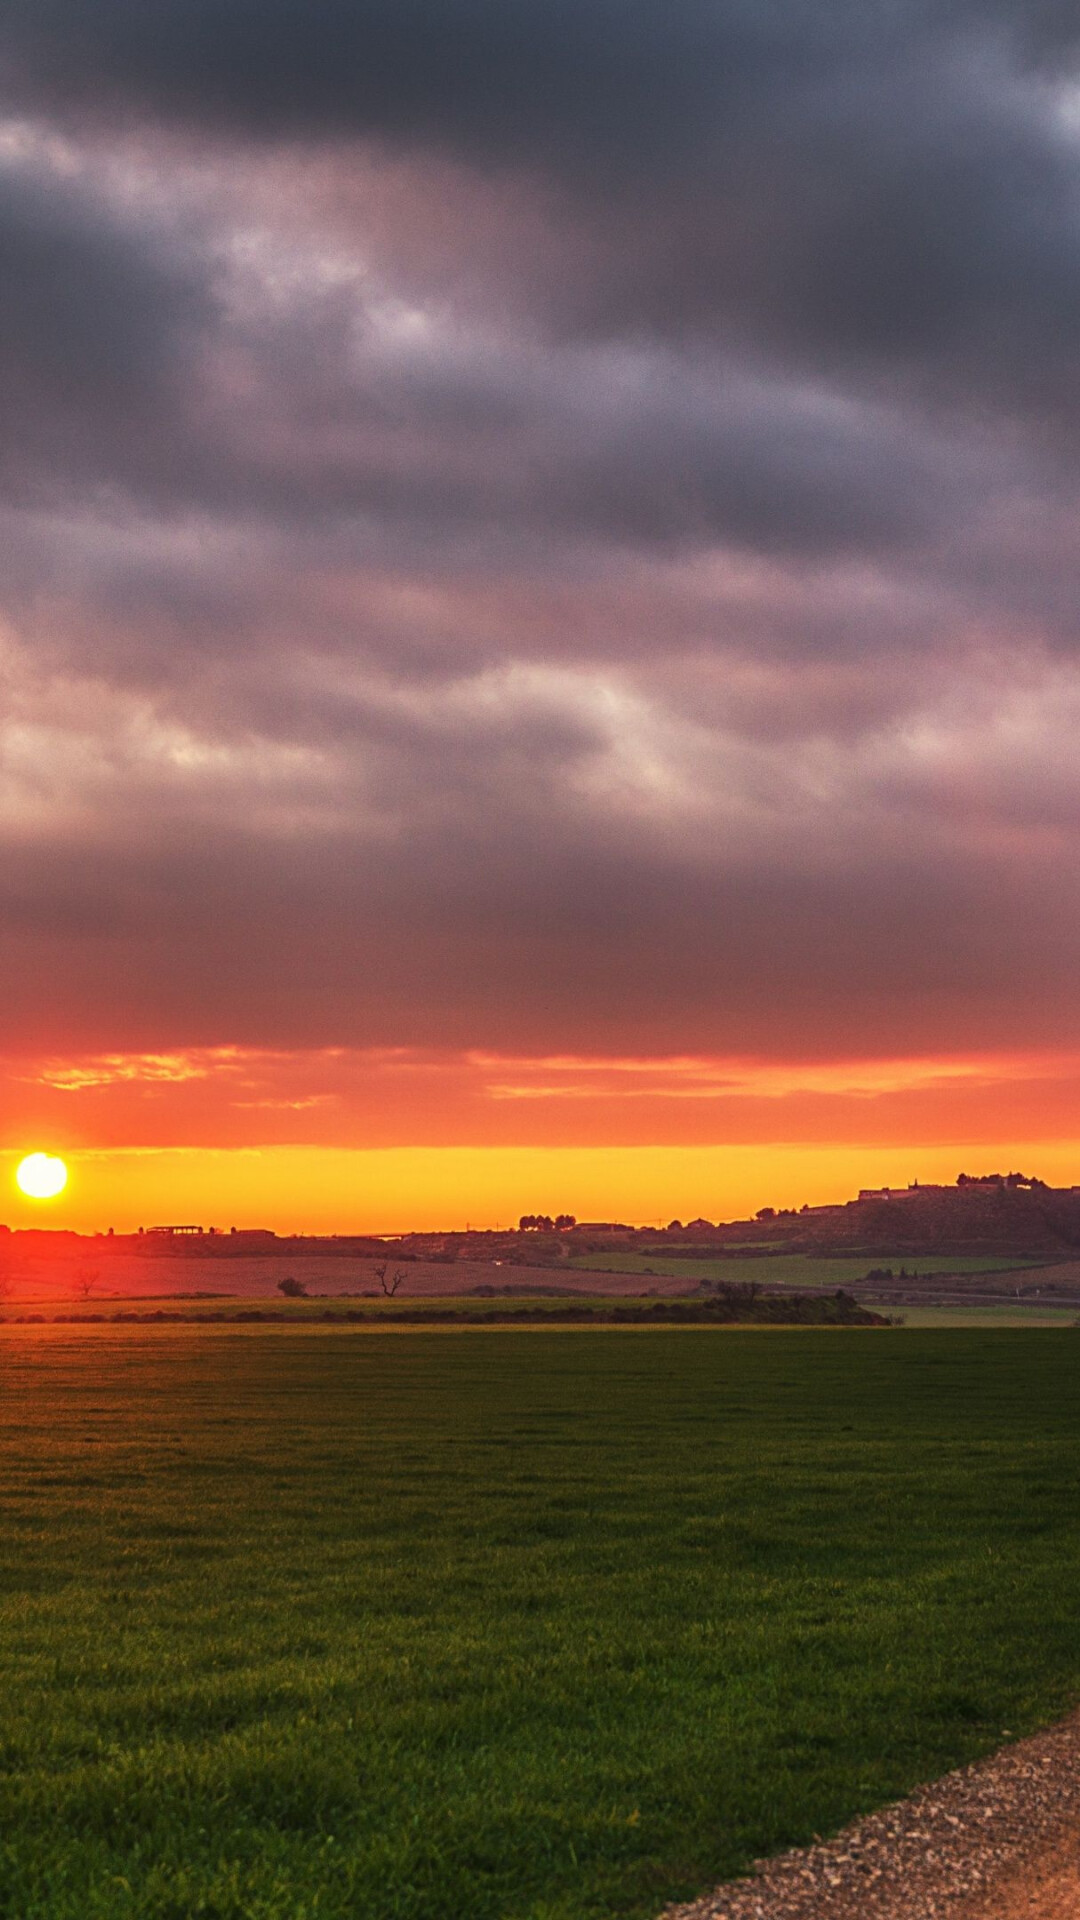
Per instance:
(793,1270)
(544,1627)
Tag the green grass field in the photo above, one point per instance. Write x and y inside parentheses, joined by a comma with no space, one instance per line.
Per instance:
(300,1625)
(989,1316)
(797,1270)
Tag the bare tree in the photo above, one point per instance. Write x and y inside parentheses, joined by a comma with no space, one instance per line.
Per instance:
(390,1286)
(85,1281)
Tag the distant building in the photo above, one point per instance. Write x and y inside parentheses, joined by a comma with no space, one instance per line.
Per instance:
(915,1191)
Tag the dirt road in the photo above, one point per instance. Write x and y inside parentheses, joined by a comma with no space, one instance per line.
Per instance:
(1047,1889)
(995,1841)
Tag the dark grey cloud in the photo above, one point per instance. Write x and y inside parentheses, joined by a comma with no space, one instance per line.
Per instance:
(502,79)
(927,227)
(497,79)
(141,366)
(81,306)
(882,198)
(97,324)
(617,588)
(878,182)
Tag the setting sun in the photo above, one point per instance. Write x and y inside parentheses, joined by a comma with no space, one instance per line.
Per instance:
(41,1176)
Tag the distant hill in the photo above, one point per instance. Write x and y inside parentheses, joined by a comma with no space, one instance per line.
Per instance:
(1006,1213)
(978,1217)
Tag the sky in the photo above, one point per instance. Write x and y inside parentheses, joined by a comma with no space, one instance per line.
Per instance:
(539,612)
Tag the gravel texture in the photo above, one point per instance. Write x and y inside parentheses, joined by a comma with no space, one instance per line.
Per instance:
(996,1841)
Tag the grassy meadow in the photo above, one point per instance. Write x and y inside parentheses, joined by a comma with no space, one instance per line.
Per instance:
(989,1316)
(306,1624)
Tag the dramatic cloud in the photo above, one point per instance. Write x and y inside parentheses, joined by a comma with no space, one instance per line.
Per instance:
(547,529)
(856,183)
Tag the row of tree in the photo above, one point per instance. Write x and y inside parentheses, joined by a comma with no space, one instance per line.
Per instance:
(543,1223)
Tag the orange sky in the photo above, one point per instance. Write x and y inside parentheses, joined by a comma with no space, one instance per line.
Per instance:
(392,1138)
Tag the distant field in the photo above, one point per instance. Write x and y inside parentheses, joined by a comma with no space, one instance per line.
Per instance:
(29,1280)
(547,1627)
(796,1270)
(988,1316)
(95,1281)
(753,1246)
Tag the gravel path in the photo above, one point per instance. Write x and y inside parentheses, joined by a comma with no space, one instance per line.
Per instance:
(1050,1890)
(995,1841)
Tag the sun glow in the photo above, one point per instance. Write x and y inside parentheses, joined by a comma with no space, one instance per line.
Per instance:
(41,1176)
